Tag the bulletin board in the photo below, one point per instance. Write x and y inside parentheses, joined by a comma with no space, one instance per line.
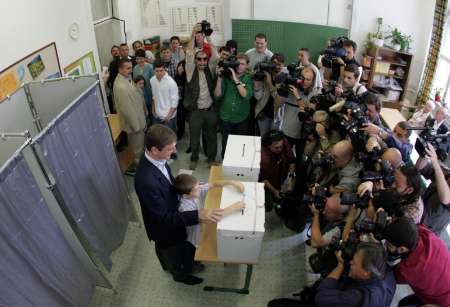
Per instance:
(83,66)
(39,65)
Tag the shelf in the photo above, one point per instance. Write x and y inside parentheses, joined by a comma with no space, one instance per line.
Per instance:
(388,75)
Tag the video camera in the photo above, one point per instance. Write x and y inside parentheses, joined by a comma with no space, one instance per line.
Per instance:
(261,68)
(226,65)
(350,199)
(334,50)
(438,141)
(292,78)
(206,27)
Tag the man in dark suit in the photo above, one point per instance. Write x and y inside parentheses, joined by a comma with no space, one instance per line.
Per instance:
(159,204)
(438,122)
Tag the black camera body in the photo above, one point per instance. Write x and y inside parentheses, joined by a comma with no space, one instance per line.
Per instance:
(226,65)
(439,142)
(319,198)
(324,160)
(206,27)
(350,199)
(386,174)
(261,68)
(284,80)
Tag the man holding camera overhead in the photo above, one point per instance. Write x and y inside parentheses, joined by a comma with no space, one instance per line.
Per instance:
(233,91)
(199,100)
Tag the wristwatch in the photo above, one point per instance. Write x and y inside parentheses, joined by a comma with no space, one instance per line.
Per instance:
(240,83)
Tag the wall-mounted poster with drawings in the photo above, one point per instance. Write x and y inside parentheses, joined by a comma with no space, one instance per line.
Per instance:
(39,65)
(83,66)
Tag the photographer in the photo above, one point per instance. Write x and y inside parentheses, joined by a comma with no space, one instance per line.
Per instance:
(349,59)
(233,94)
(436,197)
(373,106)
(344,168)
(369,281)
(404,196)
(297,101)
(421,260)
(303,56)
(398,139)
(324,137)
(265,93)
(277,164)
(350,85)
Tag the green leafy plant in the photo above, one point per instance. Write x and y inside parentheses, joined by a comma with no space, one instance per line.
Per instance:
(401,39)
(371,36)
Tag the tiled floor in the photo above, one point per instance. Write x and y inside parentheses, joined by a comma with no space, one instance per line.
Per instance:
(140,281)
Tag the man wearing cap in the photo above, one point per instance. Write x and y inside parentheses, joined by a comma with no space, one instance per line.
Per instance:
(421,260)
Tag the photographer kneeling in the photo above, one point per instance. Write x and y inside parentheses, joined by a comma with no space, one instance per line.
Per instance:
(277,164)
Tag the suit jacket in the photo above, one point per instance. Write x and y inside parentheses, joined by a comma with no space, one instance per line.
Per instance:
(443,128)
(129,104)
(159,205)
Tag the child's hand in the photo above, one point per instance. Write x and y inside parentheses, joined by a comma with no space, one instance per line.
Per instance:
(238,185)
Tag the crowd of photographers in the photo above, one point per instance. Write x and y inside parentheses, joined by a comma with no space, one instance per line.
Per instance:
(327,161)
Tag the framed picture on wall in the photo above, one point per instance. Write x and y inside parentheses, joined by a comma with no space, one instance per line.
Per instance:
(39,65)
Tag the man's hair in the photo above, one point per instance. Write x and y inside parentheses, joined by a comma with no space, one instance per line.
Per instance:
(353,68)
(278,56)
(304,49)
(406,126)
(123,44)
(402,232)
(242,56)
(261,35)
(413,180)
(114,46)
(374,260)
(271,137)
(122,62)
(231,44)
(136,42)
(225,48)
(350,43)
(140,53)
(175,38)
(164,48)
(138,78)
(159,136)
(372,99)
(184,183)
(158,63)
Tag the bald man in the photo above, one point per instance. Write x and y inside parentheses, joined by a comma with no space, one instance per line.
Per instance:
(345,168)
(393,156)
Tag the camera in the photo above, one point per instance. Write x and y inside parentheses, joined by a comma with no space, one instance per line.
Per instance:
(376,228)
(386,174)
(226,65)
(438,141)
(261,68)
(206,27)
(284,80)
(334,50)
(319,198)
(349,199)
(322,160)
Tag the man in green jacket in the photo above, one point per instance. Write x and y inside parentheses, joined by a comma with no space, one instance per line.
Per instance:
(233,94)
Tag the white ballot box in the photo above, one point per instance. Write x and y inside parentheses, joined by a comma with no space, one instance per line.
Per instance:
(242,158)
(240,234)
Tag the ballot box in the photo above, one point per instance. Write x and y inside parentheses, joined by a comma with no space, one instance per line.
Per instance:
(240,234)
(242,158)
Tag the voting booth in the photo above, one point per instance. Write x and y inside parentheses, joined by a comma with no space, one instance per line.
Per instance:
(240,234)
(242,158)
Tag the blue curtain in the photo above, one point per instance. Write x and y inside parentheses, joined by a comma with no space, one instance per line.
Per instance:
(78,149)
(37,265)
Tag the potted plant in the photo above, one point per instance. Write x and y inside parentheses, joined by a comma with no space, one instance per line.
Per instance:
(399,41)
(378,37)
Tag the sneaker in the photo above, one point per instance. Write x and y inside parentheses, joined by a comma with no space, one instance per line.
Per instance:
(193,165)
(191,280)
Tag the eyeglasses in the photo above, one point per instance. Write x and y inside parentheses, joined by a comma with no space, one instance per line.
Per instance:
(202,59)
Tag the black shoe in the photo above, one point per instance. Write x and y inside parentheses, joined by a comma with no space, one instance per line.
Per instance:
(198,268)
(188,150)
(191,280)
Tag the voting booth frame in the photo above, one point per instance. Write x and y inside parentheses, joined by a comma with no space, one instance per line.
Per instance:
(24,116)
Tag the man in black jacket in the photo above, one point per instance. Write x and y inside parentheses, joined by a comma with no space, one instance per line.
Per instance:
(159,204)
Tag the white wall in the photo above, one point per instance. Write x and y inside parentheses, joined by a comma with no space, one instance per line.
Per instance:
(413,17)
(29,25)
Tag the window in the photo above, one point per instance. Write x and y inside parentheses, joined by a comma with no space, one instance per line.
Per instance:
(101,9)
(442,74)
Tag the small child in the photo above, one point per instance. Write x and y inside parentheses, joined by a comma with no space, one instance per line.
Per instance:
(193,196)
